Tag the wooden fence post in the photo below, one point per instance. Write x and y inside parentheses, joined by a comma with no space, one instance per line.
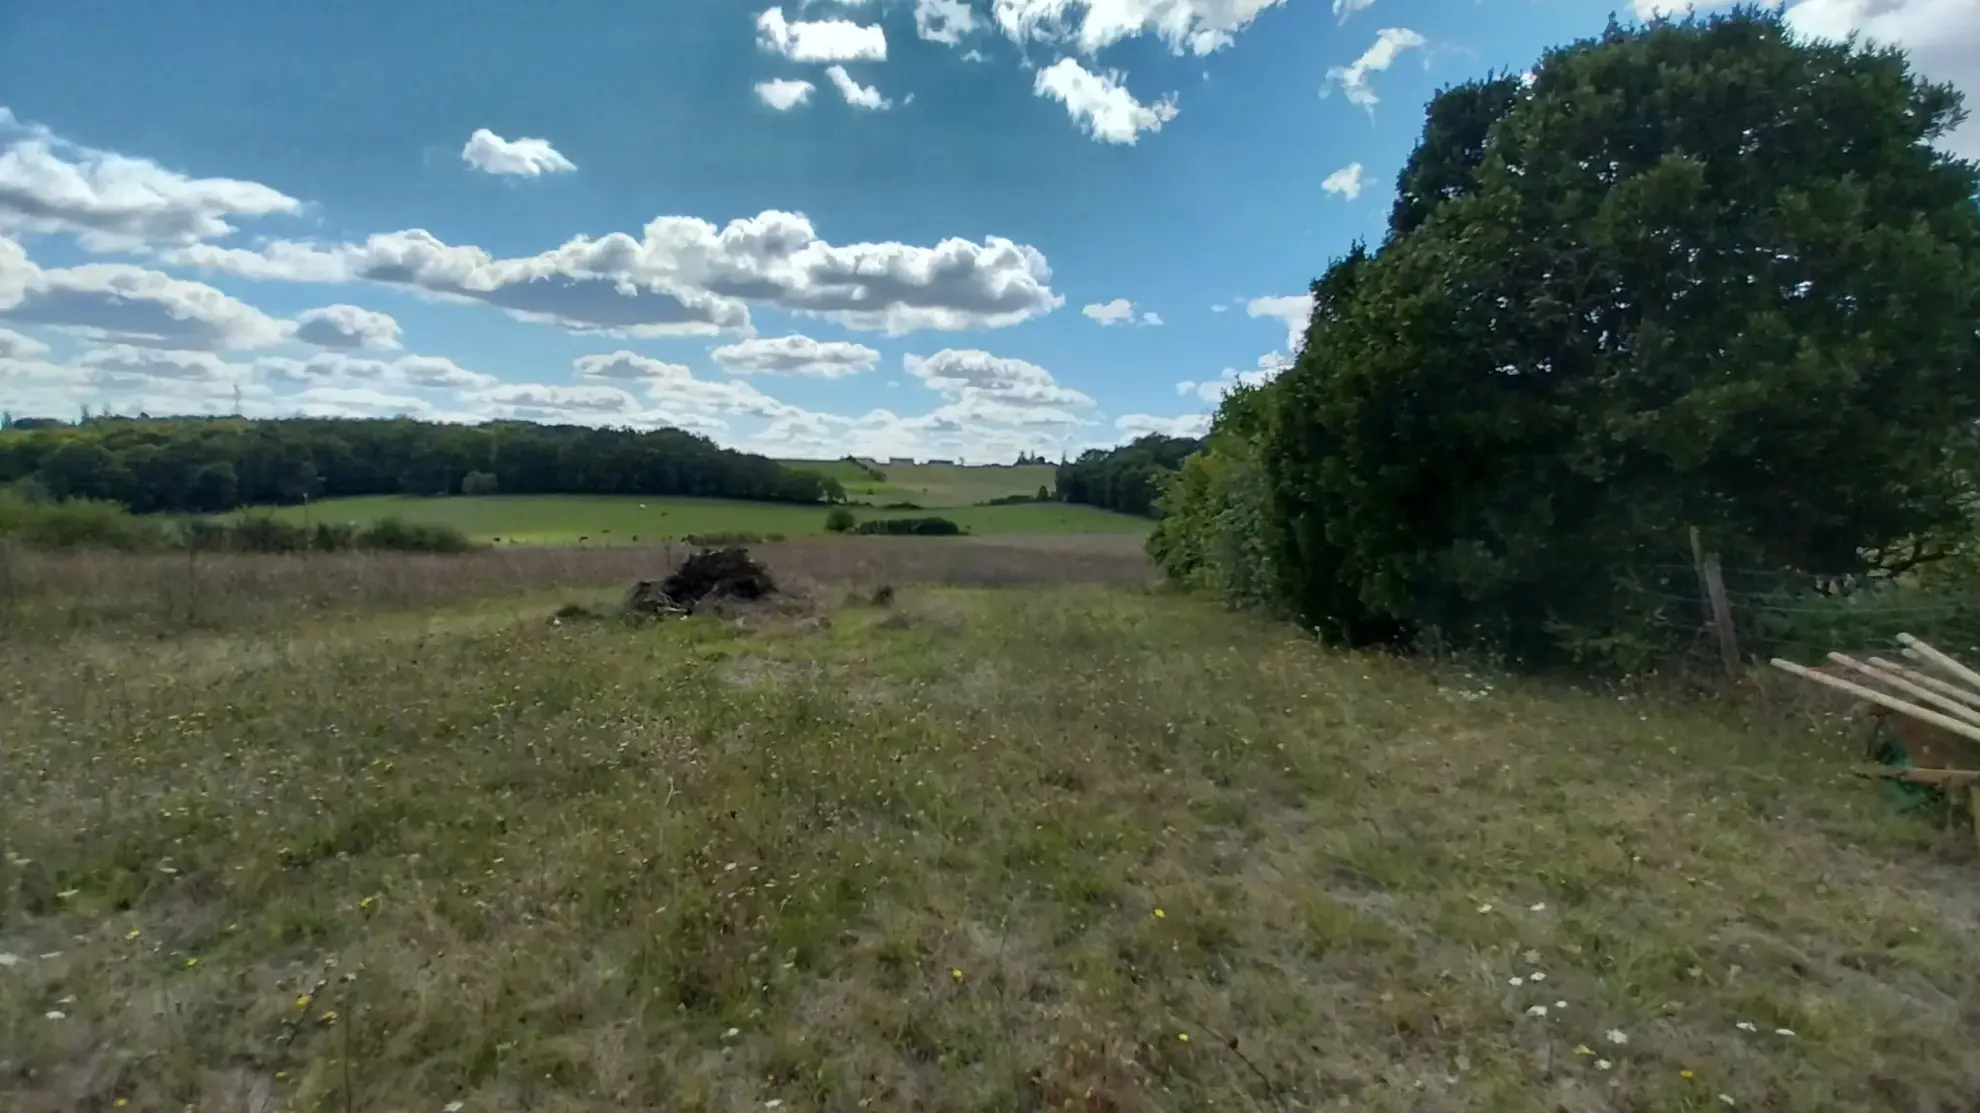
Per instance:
(1711,578)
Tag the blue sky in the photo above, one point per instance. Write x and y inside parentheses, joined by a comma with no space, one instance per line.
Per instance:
(928,227)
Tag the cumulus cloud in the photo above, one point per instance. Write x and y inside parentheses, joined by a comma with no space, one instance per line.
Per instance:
(857,95)
(1352,78)
(1270,365)
(1132,426)
(784,94)
(1196,26)
(795,355)
(1100,104)
(112,203)
(127,304)
(522,158)
(675,386)
(423,372)
(15,346)
(827,40)
(687,276)
(126,361)
(1942,38)
(943,21)
(989,383)
(1344,183)
(1293,309)
(347,326)
(1345,8)
(1120,311)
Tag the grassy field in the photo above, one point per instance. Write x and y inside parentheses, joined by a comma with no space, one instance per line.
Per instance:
(934,485)
(1046,846)
(631,519)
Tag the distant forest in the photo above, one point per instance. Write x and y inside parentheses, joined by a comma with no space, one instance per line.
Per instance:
(1127,479)
(208,465)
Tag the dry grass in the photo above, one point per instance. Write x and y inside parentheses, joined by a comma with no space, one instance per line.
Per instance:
(1082,847)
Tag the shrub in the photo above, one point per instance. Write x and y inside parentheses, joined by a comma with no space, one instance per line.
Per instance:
(76,524)
(479,483)
(401,536)
(840,520)
(925,527)
(725,537)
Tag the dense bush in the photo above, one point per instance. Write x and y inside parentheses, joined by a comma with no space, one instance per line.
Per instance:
(93,524)
(1740,298)
(840,519)
(209,465)
(1126,479)
(925,527)
(76,524)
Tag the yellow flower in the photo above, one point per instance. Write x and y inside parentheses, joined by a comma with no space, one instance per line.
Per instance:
(1582,1049)
(191,962)
(281,1076)
(1161,915)
(120,1103)
(1182,1037)
(956,974)
(365,904)
(303,1001)
(329,1016)
(1686,1075)
(132,934)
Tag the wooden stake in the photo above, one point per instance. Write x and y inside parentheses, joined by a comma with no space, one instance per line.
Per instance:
(1957,726)
(1950,706)
(1710,576)
(1917,676)
(1932,656)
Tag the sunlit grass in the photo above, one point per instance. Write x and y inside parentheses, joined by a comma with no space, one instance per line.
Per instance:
(982,849)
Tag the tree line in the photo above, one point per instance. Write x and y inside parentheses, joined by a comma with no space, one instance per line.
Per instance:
(1699,275)
(209,465)
(1126,479)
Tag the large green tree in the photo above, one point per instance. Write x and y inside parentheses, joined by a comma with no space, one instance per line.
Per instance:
(1699,274)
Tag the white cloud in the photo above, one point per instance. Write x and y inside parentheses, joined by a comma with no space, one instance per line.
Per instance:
(1345,8)
(1133,426)
(548,397)
(1390,42)
(347,326)
(126,304)
(1199,26)
(795,355)
(1270,365)
(686,276)
(857,95)
(1293,309)
(524,158)
(423,372)
(112,203)
(1100,104)
(15,346)
(343,401)
(1120,311)
(981,380)
(943,21)
(673,385)
(1345,182)
(828,40)
(784,94)
(121,362)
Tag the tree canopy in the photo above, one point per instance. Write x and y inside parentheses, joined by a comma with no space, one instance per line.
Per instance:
(1124,479)
(206,465)
(1699,274)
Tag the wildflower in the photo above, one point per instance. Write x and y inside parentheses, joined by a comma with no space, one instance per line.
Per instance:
(281,1076)
(1603,1064)
(1618,1037)
(131,934)
(1182,1037)
(1537,976)
(120,1103)
(1515,981)
(1536,1010)
(56,1014)
(453,1107)
(329,1016)
(1583,1050)
(7,960)
(191,962)
(365,903)
(1540,907)
(1725,1099)
(1161,915)
(1484,909)
(1530,957)
(1746,1026)
(303,1001)
(956,974)
(1788,1032)
(1686,1075)
(773,1103)
(732,1033)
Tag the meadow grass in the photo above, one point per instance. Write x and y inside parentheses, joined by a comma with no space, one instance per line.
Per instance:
(634,519)
(936,485)
(1051,846)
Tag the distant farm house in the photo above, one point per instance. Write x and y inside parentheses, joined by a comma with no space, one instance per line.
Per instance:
(900,461)
(949,462)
